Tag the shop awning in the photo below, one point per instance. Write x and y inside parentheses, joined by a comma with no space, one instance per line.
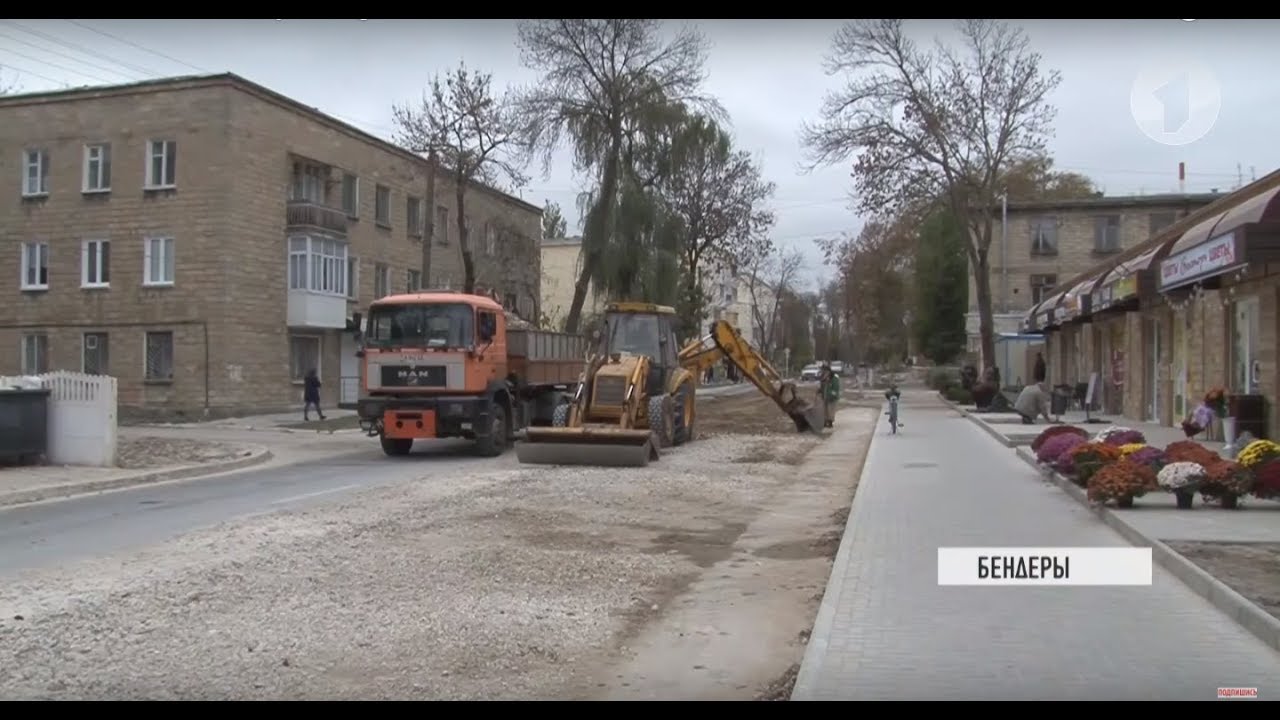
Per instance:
(1217,245)
(1123,282)
(1076,301)
(1045,312)
(1263,208)
(1029,320)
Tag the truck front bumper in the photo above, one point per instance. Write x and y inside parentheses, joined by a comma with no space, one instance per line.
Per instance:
(437,416)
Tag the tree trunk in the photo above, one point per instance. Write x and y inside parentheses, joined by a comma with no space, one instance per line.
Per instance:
(429,223)
(464,241)
(986,323)
(597,226)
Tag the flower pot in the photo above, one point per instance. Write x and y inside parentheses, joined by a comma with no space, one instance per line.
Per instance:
(1229,436)
(1230,502)
(1186,499)
(1124,502)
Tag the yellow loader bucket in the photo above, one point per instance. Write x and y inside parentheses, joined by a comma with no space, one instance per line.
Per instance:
(808,417)
(590,446)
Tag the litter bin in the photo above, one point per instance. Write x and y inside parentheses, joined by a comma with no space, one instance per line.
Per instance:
(24,424)
(1058,403)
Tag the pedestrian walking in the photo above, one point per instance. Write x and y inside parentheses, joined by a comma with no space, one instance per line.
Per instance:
(311,395)
(830,388)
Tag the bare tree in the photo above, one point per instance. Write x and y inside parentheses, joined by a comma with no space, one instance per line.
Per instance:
(553,223)
(595,75)
(474,136)
(936,123)
(769,276)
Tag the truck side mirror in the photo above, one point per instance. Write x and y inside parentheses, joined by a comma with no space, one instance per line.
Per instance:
(488,326)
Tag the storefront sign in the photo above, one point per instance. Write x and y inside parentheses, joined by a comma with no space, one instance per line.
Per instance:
(1124,288)
(1217,254)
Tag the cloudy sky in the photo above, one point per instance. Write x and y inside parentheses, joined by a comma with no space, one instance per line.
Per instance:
(766,73)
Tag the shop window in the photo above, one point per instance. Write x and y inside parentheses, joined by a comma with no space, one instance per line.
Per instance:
(1245,329)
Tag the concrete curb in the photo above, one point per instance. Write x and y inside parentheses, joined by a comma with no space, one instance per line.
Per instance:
(814,652)
(984,426)
(257,456)
(1253,618)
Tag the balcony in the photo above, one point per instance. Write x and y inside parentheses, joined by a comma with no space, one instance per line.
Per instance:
(304,215)
(317,311)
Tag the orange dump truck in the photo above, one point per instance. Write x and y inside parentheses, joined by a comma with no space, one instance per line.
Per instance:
(446,365)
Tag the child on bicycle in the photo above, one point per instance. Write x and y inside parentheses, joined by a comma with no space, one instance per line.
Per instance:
(893,395)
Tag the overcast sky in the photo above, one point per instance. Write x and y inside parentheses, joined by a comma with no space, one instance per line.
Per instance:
(767,74)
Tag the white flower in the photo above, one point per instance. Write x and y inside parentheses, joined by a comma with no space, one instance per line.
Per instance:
(1176,476)
(1109,431)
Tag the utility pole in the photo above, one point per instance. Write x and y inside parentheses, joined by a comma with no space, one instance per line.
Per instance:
(1004,251)
(429,225)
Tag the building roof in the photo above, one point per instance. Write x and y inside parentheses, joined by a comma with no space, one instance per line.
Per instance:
(562,241)
(185,82)
(1117,201)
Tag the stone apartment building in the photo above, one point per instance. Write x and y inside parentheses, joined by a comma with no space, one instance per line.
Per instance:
(1047,242)
(559,277)
(206,240)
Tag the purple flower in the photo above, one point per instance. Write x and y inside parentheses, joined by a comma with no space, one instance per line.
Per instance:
(1056,446)
(1128,437)
(1148,456)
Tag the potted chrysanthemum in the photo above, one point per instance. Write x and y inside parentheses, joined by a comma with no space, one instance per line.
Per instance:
(1121,482)
(1182,479)
(1225,481)
(1090,457)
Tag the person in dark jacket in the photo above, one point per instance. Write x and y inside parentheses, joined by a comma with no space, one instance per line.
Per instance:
(311,394)
(1040,372)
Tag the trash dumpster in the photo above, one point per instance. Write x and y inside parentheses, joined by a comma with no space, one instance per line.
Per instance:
(1058,402)
(24,424)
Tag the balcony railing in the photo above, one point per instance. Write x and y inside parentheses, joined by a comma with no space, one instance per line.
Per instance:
(307,215)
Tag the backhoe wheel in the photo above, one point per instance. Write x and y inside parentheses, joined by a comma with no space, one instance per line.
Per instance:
(560,416)
(686,409)
(494,443)
(661,419)
(396,446)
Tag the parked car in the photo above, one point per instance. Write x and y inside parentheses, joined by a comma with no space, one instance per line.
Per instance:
(810,372)
(838,367)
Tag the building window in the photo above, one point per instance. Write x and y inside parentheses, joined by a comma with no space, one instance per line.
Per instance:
(304,355)
(35,266)
(95,263)
(308,182)
(95,354)
(441,230)
(157,261)
(381,281)
(1161,220)
(1106,233)
(382,205)
(414,281)
(162,164)
(413,211)
(318,265)
(351,195)
(97,167)
(1044,236)
(35,354)
(159,356)
(1040,287)
(353,277)
(490,240)
(35,175)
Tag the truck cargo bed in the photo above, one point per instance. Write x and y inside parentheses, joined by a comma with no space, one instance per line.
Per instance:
(544,357)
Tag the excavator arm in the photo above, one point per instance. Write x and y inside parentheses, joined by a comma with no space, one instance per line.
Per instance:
(724,342)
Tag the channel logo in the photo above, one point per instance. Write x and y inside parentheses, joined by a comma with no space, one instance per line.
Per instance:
(1175,101)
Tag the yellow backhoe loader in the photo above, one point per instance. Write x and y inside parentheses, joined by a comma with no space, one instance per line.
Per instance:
(637,393)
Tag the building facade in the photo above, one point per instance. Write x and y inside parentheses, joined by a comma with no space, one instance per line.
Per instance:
(560,268)
(1192,307)
(207,241)
(1044,243)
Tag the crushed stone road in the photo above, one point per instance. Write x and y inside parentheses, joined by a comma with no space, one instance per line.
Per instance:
(501,582)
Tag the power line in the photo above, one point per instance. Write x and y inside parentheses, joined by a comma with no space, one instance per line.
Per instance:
(157,53)
(55,65)
(63,83)
(81,49)
(68,57)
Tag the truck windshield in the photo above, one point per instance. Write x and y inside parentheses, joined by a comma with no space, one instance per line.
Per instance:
(437,325)
(634,334)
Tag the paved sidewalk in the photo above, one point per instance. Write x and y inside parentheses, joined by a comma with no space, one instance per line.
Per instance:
(886,630)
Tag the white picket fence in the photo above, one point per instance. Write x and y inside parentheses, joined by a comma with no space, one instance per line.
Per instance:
(82,416)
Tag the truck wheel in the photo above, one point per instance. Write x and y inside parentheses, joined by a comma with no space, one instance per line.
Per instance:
(396,446)
(684,414)
(560,416)
(495,442)
(661,420)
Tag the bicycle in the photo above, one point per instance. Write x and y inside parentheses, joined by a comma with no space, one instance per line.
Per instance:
(893,414)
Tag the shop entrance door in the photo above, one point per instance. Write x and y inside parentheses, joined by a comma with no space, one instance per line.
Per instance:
(1154,351)
(1179,367)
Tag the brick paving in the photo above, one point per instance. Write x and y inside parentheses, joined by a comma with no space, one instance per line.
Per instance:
(886,630)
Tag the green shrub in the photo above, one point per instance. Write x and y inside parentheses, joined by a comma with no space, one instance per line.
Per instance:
(958,395)
(941,378)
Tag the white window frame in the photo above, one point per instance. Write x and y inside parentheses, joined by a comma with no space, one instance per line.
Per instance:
(35,354)
(414,219)
(165,245)
(382,212)
(381,280)
(167,148)
(34,270)
(353,277)
(410,277)
(146,352)
(318,265)
(95,263)
(35,159)
(353,211)
(296,374)
(84,352)
(97,179)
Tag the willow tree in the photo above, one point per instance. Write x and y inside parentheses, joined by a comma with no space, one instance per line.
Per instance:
(595,74)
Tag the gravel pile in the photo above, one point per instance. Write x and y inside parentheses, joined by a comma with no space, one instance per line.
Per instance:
(515,583)
(153,452)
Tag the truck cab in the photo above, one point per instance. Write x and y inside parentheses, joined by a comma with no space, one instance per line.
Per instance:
(440,365)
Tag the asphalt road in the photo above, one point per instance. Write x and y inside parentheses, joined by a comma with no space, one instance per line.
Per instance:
(53,533)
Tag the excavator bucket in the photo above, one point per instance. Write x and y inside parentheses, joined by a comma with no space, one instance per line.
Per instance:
(808,417)
(598,446)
